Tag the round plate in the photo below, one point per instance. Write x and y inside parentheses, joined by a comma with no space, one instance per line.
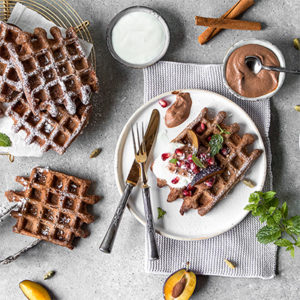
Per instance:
(191,226)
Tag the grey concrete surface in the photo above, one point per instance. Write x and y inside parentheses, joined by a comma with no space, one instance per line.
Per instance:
(85,273)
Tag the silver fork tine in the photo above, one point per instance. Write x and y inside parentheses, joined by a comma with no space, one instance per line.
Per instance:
(143,143)
(133,139)
(138,137)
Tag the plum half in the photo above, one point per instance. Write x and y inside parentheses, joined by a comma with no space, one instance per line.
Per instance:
(180,285)
(206,173)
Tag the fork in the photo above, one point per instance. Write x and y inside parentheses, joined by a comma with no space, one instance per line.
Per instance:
(141,158)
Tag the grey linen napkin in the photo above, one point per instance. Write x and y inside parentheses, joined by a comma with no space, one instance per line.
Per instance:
(239,245)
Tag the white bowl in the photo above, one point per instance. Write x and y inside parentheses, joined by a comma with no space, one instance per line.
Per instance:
(122,13)
(263,43)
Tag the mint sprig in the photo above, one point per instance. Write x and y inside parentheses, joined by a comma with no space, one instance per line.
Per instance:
(4,140)
(173,161)
(161,212)
(216,141)
(197,161)
(280,229)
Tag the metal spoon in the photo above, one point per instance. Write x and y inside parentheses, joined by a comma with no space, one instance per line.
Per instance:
(254,63)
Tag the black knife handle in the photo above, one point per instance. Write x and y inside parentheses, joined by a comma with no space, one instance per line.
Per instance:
(108,241)
(151,242)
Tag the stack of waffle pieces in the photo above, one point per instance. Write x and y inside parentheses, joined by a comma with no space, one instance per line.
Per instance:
(47,83)
(234,163)
(53,207)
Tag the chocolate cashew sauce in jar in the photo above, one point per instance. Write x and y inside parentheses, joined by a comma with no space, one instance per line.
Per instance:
(243,80)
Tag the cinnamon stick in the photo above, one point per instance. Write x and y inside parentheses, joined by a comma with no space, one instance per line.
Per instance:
(236,10)
(1,111)
(227,23)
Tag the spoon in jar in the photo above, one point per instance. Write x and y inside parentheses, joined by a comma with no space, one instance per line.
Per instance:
(254,63)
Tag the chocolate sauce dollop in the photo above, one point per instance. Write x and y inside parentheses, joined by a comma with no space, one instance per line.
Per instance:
(179,111)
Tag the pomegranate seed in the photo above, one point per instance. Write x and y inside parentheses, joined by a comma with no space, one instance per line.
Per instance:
(187,164)
(187,193)
(210,182)
(193,166)
(165,156)
(196,170)
(175,180)
(190,157)
(209,138)
(210,161)
(225,151)
(201,128)
(179,152)
(163,103)
(189,187)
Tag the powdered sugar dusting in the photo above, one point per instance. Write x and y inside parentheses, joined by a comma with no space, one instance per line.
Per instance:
(81,88)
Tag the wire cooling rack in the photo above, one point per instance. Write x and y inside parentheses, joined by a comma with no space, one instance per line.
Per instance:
(59,12)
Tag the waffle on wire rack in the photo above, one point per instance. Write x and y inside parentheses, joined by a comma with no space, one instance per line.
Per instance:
(10,85)
(234,163)
(54,206)
(53,71)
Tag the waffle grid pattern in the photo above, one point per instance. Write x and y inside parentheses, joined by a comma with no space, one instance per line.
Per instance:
(54,207)
(10,85)
(235,164)
(52,71)
(56,133)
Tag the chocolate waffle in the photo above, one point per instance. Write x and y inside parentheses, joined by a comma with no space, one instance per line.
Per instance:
(10,85)
(53,71)
(54,207)
(56,133)
(235,163)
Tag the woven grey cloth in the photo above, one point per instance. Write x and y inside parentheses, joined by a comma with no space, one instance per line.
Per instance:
(238,245)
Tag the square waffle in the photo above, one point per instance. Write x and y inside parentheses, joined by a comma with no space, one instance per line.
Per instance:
(234,164)
(54,206)
(53,71)
(56,133)
(10,85)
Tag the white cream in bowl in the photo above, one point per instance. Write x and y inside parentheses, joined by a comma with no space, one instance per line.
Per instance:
(138,37)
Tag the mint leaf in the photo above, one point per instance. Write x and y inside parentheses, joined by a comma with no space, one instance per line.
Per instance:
(268,234)
(292,250)
(4,140)
(161,212)
(270,221)
(173,161)
(296,223)
(197,161)
(216,144)
(273,202)
(272,209)
(254,197)
(277,216)
(258,211)
(283,243)
(284,210)
(250,207)
(268,196)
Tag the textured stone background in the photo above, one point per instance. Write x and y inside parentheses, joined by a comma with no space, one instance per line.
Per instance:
(85,273)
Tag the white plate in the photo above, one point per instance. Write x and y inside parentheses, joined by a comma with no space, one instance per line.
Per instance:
(229,211)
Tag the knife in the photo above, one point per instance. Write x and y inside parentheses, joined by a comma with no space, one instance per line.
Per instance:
(131,181)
